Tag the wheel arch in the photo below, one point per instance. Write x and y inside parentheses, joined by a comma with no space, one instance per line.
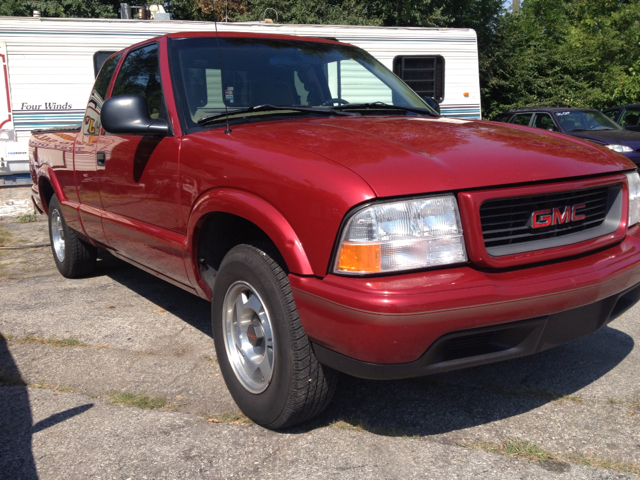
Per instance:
(47,187)
(223,218)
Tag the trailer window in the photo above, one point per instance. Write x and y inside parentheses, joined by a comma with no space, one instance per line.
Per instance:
(352,82)
(424,74)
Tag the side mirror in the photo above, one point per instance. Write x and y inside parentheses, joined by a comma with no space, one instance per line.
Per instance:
(432,103)
(129,114)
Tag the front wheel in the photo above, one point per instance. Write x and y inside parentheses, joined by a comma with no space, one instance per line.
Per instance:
(265,357)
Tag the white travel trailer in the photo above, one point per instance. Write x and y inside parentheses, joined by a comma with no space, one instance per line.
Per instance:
(48,66)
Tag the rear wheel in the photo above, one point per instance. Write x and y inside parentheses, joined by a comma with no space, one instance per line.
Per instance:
(265,357)
(74,257)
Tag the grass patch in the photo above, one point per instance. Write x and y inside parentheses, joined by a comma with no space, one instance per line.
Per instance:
(527,450)
(54,342)
(514,448)
(27,218)
(530,451)
(137,400)
(614,401)
(350,425)
(604,463)
(570,398)
(55,388)
(549,395)
(4,236)
(356,424)
(231,419)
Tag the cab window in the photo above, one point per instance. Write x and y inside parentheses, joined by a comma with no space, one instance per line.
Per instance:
(140,74)
(91,122)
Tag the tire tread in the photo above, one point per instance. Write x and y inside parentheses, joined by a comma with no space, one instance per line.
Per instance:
(310,386)
(313,384)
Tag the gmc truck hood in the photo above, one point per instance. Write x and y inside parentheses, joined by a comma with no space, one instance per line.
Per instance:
(412,155)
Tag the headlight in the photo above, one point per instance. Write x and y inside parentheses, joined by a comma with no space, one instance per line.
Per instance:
(396,236)
(619,148)
(633,180)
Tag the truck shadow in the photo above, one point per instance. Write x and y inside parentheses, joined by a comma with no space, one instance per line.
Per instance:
(427,405)
(16,457)
(16,421)
(457,400)
(187,307)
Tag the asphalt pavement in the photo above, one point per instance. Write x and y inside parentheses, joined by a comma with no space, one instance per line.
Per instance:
(115,376)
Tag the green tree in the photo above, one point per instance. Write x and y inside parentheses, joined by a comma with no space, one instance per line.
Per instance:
(583,53)
(61,8)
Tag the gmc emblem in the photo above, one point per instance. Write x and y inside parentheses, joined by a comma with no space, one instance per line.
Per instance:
(556,216)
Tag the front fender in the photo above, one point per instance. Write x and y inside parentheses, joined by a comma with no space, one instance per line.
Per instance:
(256,210)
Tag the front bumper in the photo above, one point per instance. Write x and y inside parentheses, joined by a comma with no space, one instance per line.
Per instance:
(396,319)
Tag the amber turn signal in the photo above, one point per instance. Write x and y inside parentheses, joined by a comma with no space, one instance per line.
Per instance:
(364,258)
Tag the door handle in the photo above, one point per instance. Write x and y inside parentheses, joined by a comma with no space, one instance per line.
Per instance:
(101,159)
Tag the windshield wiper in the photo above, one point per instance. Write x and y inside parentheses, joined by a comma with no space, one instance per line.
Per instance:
(378,105)
(275,108)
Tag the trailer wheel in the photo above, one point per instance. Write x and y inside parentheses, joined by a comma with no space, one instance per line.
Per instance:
(265,356)
(73,256)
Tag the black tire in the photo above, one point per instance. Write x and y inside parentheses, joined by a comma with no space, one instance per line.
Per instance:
(299,386)
(74,257)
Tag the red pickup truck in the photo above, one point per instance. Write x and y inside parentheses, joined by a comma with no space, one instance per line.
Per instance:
(336,222)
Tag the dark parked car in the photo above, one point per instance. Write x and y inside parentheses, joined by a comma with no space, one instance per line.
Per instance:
(627,116)
(583,123)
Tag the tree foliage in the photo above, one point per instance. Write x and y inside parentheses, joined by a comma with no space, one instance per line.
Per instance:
(582,53)
(61,8)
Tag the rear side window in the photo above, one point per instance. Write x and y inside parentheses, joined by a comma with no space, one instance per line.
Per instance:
(140,74)
(522,119)
(424,74)
(612,114)
(91,122)
(98,60)
(544,121)
(630,117)
(502,117)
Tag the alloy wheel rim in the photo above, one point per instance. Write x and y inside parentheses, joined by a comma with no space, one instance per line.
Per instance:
(248,337)
(57,235)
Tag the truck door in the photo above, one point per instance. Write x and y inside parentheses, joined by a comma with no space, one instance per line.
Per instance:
(86,164)
(139,183)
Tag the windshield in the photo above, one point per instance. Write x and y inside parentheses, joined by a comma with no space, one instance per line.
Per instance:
(572,121)
(266,71)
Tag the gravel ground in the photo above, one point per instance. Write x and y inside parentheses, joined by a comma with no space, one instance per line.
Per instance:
(71,350)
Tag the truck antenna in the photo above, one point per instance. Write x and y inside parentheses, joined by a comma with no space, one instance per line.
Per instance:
(226,110)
